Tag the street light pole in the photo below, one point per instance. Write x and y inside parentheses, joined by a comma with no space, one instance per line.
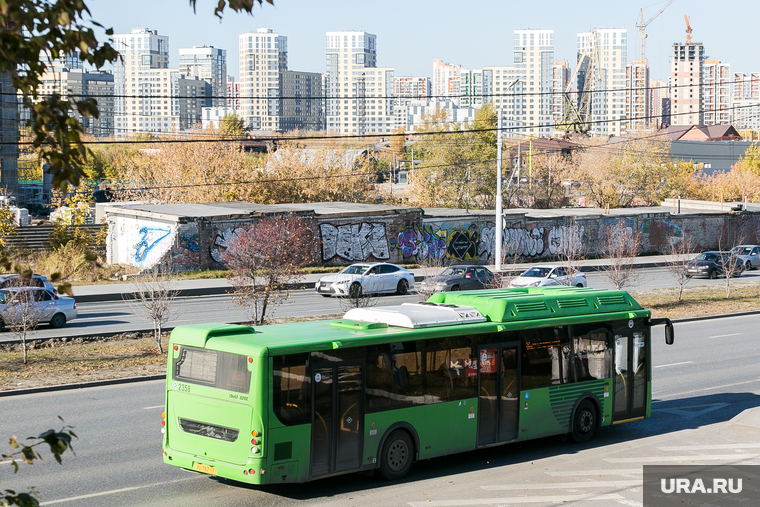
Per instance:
(498,221)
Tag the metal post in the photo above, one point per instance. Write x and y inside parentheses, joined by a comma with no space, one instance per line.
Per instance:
(498,222)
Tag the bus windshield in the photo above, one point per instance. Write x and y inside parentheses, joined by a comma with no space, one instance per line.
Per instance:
(212,368)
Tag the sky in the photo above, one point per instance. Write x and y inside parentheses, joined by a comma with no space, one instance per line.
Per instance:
(472,33)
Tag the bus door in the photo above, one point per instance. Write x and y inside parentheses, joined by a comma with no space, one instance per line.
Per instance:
(499,393)
(337,418)
(631,374)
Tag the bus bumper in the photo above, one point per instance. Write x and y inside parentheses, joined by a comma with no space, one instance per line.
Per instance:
(252,472)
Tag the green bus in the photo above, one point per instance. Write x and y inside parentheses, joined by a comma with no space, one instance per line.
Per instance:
(384,387)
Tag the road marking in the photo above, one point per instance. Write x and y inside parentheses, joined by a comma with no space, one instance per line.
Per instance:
(655,459)
(151,408)
(724,335)
(685,412)
(710,388)
(607,471)
(115,491)
(565,485)
(515,500)
(708,447)
(673,364)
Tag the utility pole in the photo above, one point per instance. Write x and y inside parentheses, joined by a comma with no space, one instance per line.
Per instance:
(498,222)
(519,169)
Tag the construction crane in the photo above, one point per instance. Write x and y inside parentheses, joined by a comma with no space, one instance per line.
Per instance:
(641,25)
(688,29)
(577,114)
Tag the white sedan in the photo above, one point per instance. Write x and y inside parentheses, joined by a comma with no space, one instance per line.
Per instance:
(366,278)
(550,274)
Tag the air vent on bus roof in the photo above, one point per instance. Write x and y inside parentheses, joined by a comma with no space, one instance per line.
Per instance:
(611,299)
(572,302)
(413,315)
(530,306)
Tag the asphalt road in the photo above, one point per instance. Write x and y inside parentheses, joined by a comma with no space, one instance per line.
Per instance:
(118,316)
(709,376)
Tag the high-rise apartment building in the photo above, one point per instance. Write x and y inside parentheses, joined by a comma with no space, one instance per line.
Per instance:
(716,92)
(407,89)
(359,95)
(302,107)
(464,87)
(233,93)
(190,96)
(638,105)
(659,100)
(746,86)
(560,79)
(745,104)
(686,66)
(210,64)
(9,134)
(263,58)
(524,91)
(142,83)
(68,61)
(608,88)
(79,84)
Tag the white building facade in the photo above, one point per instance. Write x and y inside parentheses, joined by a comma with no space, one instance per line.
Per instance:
(143,83)
(716,92)
(686,66)
(358,94)
(263,58)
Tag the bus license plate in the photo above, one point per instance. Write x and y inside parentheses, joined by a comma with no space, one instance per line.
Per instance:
(200,467)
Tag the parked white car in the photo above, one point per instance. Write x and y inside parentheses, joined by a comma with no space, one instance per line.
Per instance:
(14,280)
(749,254)
(42,305)
(366,278)
(550,274)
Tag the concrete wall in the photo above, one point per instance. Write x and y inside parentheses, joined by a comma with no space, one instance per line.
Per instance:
(411,237)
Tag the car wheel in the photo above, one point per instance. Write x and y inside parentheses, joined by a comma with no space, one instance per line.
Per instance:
(713,275)
(584,422)
(580,285)
(355,291)
(397,455)
(748,265)
(455,288)
(402,287)
(58,320)
(325,295)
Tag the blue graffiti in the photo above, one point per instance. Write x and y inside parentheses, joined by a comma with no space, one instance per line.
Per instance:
(151,236)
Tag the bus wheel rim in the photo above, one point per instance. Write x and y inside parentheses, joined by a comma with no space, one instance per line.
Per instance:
(397,455)
(586,421)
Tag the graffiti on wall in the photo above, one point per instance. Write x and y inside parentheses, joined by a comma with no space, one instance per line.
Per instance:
(532,241)
(565,240)
(150,239)
(463,245)
(420,243)
(186,255)
(222,239)
(354,242)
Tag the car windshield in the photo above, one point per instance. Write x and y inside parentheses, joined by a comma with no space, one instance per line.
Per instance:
(710,257)
(741,250)
(355,269)
(453,271)
(537,272)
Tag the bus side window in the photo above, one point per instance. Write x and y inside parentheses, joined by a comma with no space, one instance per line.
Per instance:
(545,358)
(592,355)
(291,388)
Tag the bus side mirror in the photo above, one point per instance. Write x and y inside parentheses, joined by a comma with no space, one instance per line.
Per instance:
(669,333)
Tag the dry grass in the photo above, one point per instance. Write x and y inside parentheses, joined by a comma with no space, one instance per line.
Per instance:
(132,355)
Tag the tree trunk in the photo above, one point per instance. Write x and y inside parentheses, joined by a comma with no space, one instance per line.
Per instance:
(23,347)
(157,331)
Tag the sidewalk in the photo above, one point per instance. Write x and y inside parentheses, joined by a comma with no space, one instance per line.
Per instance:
(215,286)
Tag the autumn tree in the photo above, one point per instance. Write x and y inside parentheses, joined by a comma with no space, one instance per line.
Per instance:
(618,174)
(21,311)
(545,185)
(233,126)
(458,163)
(266,260)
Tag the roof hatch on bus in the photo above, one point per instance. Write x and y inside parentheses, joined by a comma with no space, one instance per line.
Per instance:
(418,315)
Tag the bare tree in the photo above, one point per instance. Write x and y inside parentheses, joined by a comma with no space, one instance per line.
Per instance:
(153,298)
(430,269)
(680,255)
(621,245)
(731,265)
(266,259)
(569,248)
(21,311)
(365,296)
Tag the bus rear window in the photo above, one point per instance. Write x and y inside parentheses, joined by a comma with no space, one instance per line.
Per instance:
(213,368)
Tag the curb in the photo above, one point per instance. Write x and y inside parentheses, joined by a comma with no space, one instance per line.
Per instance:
(81,385)
(131,380)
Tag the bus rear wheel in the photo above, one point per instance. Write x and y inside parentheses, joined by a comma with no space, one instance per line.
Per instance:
(584,422)
(397,455)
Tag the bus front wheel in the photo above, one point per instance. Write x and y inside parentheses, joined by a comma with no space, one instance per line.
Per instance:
(397,455)
(584,422)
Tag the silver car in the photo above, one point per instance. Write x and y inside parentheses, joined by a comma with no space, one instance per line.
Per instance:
(40,305)
(749,254)
(463,277)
